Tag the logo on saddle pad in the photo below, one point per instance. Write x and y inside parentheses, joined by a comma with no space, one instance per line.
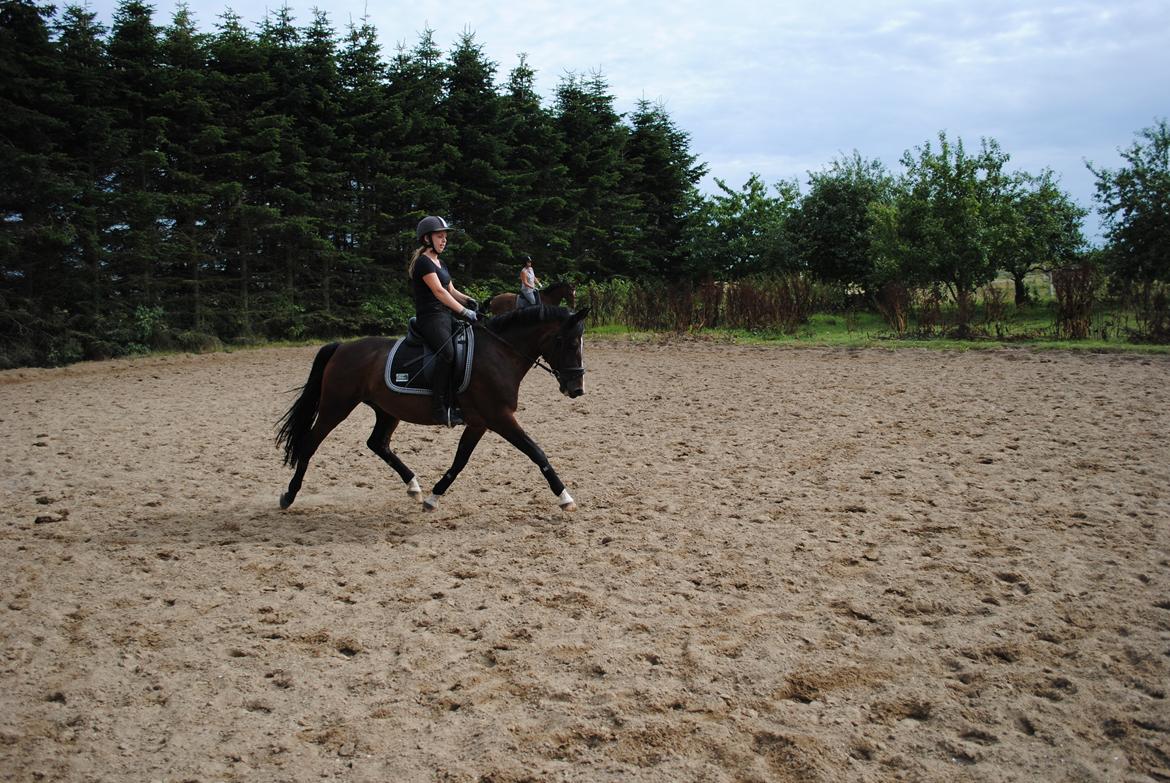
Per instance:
(410,365)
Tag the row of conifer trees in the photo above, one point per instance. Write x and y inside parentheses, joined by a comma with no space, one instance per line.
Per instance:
(266,182)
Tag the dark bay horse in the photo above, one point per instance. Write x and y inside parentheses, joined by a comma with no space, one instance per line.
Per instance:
(506,348)
(553,295)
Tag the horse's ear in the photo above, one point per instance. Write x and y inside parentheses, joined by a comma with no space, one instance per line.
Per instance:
(580,315)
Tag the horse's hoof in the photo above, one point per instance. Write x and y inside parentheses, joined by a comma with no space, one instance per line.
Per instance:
(285,501)
(566,502)
(431,503)
(569,506)
(413,489)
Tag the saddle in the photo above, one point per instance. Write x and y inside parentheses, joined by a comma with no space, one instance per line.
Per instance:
(409,367)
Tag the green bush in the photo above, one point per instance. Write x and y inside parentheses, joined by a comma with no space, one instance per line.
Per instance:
(198,342)
(387,311)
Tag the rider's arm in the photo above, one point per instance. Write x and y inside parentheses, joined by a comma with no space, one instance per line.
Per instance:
(432,281)
(459,295)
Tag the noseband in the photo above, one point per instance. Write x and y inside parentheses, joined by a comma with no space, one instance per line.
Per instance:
(568,373)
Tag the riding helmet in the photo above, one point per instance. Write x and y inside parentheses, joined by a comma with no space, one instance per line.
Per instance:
(429,224)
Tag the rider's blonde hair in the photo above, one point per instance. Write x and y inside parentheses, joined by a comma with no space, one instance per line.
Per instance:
(418,252)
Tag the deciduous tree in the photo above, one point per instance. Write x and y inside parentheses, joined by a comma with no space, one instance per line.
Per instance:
(1134,201)
(943,219)
(832,227)
(746,231)
(1036,226)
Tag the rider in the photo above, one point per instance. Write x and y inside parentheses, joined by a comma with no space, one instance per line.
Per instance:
(435,299)
(528,283)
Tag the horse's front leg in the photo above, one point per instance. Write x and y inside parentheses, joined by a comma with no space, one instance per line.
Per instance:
(515,434)
(467,443)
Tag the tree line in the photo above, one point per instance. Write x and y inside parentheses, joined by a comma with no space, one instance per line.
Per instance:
(267,182)
(164,185)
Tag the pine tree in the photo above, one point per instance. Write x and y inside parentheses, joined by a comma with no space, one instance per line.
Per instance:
(421,168)
(36,283)
(601,217)
(288,237)
(536,176)
(189,137)
(481,203)
(136,240)
(240,151)
(370,127)
(94,149)
(317,128)
(663,175)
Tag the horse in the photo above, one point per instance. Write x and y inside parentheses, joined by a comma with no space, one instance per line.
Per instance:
(506,348)
(553,294)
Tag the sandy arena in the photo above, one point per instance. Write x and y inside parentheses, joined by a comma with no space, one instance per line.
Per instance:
(788,565)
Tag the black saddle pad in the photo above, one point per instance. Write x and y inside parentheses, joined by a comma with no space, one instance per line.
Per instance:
(409,365)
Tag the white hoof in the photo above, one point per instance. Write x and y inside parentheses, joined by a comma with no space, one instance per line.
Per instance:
(566,501)
(431,503)
(413,489)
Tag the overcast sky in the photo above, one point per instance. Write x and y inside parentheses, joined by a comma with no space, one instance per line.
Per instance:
(782,88)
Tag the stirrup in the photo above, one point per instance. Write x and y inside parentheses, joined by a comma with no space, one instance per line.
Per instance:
(447,415)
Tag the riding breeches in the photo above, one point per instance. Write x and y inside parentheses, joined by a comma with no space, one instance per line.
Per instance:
(527,295)
(436,330)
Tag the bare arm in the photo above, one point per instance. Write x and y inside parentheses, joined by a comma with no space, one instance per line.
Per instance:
(459,295)
(444,296)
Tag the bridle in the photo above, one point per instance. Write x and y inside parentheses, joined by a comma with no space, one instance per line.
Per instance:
(563,374)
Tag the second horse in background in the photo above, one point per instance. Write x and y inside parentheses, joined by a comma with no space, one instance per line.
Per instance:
(556,294)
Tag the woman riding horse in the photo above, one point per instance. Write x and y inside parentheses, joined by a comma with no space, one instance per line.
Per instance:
(347,374)
(435,299)
(552,295)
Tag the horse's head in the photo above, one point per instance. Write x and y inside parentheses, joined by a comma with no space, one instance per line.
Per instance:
(564,354)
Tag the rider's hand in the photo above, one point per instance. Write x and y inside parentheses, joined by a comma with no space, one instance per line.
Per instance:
(468,315)
(472,304)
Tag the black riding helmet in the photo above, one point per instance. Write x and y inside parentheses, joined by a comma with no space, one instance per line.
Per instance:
(429,225)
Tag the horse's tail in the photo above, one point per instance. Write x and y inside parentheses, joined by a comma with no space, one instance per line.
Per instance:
(298,420)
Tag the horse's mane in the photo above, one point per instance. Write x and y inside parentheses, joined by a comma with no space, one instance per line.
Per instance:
(526,316)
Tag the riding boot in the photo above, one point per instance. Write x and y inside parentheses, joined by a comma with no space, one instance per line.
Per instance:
(441,408)
(439,411)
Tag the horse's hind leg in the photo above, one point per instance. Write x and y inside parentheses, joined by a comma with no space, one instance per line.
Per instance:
(329,415)
(467,443)
(379,443)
